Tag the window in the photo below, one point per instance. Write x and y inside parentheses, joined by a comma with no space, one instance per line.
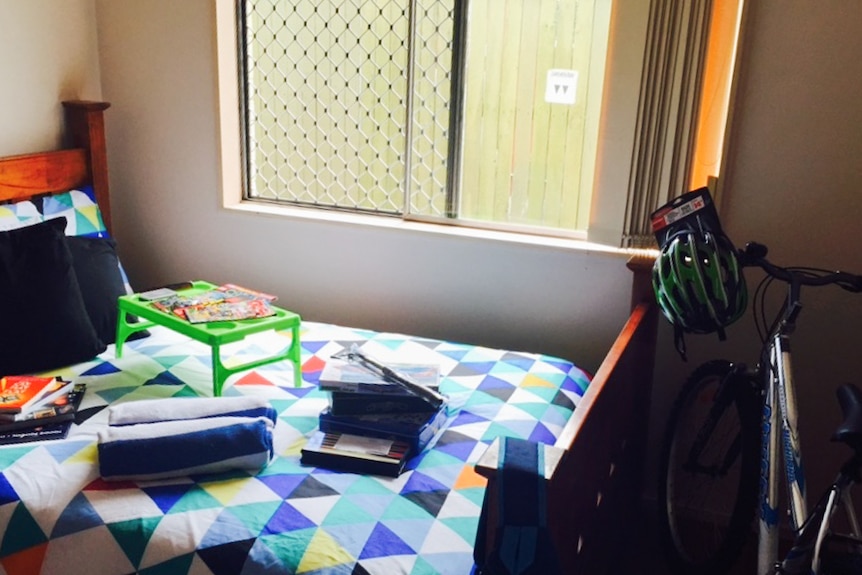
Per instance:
(488,113)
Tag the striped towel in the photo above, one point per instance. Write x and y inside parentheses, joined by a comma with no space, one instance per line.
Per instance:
(178,408)
(184,447)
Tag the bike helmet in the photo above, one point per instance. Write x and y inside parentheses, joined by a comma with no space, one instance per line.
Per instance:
(698,282)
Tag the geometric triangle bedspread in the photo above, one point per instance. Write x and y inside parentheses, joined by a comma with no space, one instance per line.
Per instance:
(57,516)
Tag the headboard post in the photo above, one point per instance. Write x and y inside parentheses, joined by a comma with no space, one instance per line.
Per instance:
(642,290)
(85,128)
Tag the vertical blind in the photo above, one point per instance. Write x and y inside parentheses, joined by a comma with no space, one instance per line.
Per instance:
(670,93)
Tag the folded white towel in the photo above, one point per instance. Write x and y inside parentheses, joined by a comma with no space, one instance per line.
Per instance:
(184,447)
(178,408)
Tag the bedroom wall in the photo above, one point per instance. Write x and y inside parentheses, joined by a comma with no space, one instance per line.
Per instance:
(158,70)
(48,53)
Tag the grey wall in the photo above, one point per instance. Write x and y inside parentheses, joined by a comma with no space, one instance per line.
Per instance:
(791,183)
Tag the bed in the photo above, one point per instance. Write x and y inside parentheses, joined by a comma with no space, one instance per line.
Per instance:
(57,515)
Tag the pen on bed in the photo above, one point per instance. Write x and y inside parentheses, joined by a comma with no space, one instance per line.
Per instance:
(428,394)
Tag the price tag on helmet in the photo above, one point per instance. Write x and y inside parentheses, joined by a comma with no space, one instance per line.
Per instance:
(669,215)
(692,211)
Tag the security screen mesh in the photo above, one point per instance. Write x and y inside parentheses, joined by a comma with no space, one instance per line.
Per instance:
(344,98)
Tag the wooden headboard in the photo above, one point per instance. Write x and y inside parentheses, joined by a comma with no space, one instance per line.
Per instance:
(82,161)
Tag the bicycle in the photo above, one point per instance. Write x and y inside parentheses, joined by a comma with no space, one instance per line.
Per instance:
(720,452)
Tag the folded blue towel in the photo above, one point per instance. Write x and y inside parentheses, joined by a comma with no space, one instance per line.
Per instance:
(177,408)
(184,447)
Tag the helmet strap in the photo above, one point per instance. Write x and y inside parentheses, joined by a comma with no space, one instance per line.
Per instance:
(679,340)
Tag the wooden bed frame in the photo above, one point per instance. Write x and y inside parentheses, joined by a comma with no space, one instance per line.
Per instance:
(594,471)
(84,160)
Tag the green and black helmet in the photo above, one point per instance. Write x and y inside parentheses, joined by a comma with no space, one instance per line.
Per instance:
(698,282)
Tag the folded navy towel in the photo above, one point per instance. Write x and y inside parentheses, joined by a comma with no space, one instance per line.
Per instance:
(177,408)
(184,447)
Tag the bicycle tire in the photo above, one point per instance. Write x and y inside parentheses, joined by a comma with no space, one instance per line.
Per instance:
(705,515)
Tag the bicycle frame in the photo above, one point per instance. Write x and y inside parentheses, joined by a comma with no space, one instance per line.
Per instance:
(838,493)
(807,553)
(779,430)
(773,380)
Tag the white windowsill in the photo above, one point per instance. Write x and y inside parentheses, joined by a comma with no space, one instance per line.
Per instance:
(394,223)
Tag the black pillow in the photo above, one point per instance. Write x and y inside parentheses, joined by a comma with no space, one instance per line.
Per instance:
(97,268)
(45,324)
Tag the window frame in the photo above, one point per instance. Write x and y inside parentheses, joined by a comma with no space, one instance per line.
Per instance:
(607,217)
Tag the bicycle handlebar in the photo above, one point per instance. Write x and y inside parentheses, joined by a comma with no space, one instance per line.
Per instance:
(754,255)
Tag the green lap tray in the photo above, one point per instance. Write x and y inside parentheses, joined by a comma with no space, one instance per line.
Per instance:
(213,334)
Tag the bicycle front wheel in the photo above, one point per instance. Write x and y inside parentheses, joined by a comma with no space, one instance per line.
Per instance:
(708,483)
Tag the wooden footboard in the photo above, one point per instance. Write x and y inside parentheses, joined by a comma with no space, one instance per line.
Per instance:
(595,470)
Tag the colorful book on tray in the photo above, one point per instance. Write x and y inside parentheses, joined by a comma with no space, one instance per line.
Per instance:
(229,311)
(226,302)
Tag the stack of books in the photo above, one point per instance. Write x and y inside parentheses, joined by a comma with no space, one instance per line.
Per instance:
(36,408)
(374,424)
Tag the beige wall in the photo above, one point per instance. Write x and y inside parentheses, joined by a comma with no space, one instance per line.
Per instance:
(158,70)
(793,183)
(48,53)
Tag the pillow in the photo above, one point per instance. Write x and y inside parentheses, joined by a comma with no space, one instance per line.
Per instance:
(79,208)
(97,270)
(45,321)
(83,218)
(18,215)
